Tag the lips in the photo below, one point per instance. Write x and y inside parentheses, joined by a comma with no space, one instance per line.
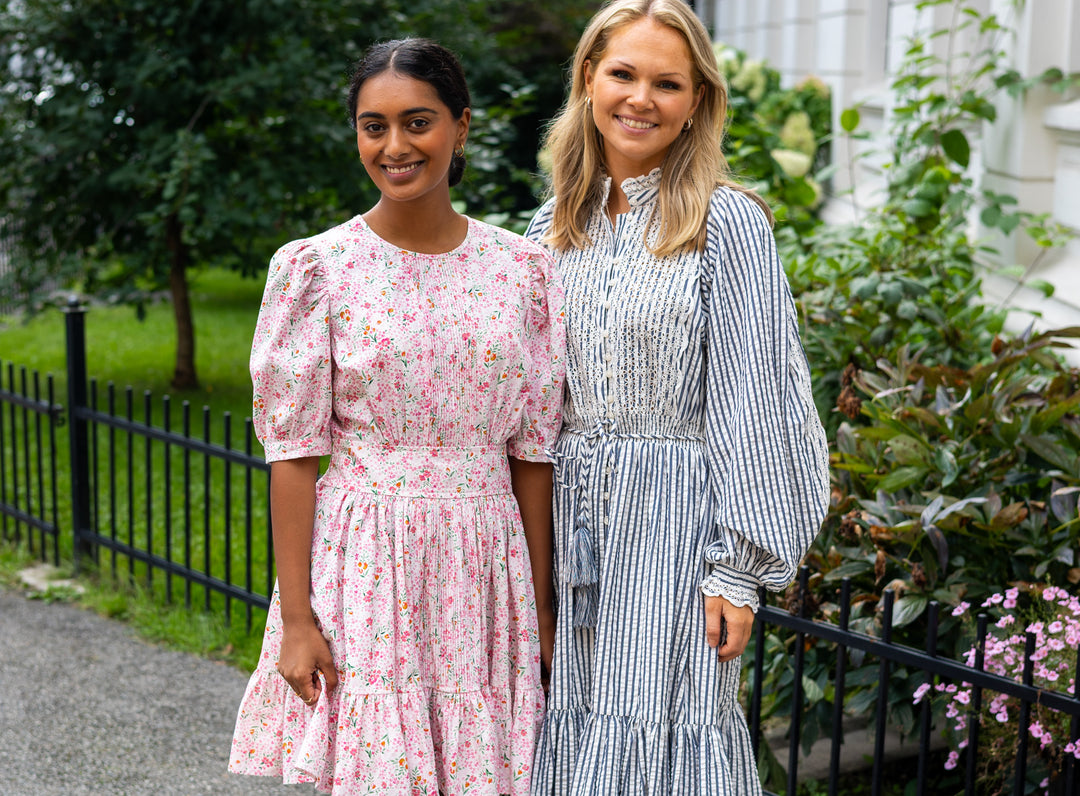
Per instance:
(636,124)
(398,170)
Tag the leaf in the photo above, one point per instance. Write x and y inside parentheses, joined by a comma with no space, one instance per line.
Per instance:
(956,147)
(849,119)
(849,569)
(908,608)
(917,208)
(812,692)
(1048,448)
(1063,503)
(946,463)
(908,450)
(940,544)
(958,505)
(901,478)
(929,514)
(1008,517)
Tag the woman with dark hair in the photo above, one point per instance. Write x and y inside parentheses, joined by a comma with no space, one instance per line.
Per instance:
(692,468)
(422,351)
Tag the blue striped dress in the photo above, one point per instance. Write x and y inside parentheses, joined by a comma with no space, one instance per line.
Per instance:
(691,462)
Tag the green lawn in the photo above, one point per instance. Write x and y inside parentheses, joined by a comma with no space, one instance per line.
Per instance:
(126,351)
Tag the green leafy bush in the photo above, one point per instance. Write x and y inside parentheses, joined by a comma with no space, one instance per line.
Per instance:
(775,136)
(957,448)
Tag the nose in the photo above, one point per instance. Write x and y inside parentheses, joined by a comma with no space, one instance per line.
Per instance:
(397,142)
(640,95)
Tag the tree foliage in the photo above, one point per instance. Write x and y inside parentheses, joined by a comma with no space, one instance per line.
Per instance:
(141,139)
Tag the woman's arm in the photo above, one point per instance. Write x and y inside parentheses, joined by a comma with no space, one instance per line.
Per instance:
(532,483)
(304,651)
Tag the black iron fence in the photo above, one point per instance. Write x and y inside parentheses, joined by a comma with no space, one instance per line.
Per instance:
(29,499)
(138,486)
(141,489)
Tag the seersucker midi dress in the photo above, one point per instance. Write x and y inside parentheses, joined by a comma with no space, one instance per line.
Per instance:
(417,374)
(691,461)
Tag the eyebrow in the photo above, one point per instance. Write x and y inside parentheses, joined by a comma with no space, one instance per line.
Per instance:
(408,112)
(629,65)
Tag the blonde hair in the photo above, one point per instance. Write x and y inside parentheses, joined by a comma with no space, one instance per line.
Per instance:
(694,165)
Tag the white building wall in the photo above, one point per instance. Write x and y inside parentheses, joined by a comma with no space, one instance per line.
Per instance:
(1032,151)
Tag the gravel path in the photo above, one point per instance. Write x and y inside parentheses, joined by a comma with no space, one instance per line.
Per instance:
(88,708)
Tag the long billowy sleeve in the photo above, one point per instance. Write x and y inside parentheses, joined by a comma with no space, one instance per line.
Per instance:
(768,456)
(291,358)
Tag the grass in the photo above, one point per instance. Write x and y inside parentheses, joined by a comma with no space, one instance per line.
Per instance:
(126,351)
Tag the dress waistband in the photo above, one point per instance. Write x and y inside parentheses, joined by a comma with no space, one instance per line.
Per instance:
(416,471)
(657,429)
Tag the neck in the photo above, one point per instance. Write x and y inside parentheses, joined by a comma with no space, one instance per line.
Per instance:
(428,225)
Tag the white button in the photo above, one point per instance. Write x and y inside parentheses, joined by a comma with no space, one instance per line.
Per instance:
(606,496)
(615,260)
(608,357)
(607,305)
(609,374)
(607,520)
(611,400)
(608,470)
(604,333)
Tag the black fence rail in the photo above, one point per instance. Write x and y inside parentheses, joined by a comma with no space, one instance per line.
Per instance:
(29,500)
(139,487)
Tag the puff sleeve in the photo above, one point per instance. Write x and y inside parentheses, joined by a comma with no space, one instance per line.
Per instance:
(767,451)
(291,358)
(544,352)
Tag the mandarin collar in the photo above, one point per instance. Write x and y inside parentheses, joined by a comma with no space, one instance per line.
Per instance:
(638,190)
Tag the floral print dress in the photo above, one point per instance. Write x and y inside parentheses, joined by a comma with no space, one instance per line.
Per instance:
(417,374)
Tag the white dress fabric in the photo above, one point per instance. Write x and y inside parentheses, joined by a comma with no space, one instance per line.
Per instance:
(691,461)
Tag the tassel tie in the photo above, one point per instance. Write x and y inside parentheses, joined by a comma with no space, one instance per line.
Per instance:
(581,571)
(582,574)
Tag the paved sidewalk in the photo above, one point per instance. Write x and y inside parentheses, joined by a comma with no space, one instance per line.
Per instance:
(88,708)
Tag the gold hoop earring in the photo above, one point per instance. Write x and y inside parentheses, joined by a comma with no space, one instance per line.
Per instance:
(689,124)
(460,151)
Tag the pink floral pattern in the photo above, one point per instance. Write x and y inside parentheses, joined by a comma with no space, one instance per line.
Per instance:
(417,374)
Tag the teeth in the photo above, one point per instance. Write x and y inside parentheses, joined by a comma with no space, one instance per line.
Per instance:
(634,123)
(399,169)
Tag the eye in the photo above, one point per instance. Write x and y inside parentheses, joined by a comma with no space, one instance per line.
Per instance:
(670,85)
(373,128)
(419,123)
(620,74)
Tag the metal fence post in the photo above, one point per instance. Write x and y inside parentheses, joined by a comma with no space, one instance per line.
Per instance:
(75,338)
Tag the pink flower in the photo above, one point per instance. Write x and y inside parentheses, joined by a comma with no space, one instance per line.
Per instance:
(961,609)
(954,758)
(920,692)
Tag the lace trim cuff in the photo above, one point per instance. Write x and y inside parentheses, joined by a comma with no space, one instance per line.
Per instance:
(738,591)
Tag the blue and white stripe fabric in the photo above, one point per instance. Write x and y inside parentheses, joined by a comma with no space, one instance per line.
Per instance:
(691,461)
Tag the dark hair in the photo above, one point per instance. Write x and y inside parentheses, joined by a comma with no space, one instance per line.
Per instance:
(420,59)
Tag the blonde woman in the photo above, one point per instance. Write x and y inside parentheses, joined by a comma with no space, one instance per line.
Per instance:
(692,467)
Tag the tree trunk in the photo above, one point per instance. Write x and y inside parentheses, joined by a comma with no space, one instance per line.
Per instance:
(184,377)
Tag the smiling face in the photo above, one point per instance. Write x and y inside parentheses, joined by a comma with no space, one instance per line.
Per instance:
(642,93)
(406,137)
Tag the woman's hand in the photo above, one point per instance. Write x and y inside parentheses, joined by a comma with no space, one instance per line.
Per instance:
(304,654)
(727,627)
